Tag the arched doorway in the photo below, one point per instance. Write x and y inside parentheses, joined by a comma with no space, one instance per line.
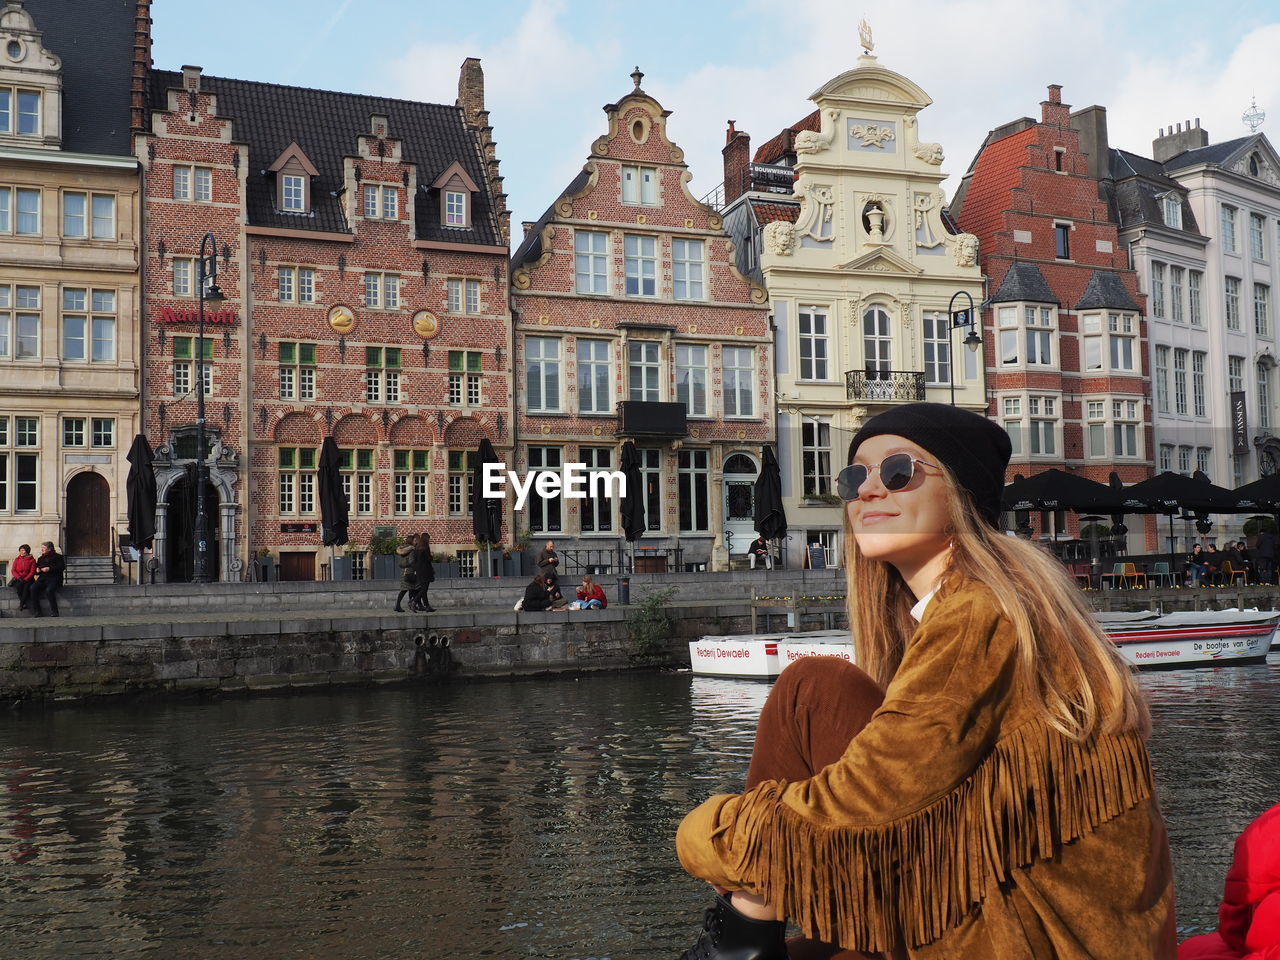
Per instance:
(180,556)
(88,516)
(740,472)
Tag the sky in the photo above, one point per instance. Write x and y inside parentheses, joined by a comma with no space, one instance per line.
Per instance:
(551,65)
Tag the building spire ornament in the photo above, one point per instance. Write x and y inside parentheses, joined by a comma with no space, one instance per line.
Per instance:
(636,77)
(864,37)
(1253,117)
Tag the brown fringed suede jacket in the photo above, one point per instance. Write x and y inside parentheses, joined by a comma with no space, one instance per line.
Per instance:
(957,824)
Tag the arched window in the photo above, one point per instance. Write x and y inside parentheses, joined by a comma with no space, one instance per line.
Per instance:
(876,345)
(739,463)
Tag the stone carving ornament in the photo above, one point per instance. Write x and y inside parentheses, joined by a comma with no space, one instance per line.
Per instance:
(966,250)
(780,238)
(872,134)
(817,210)
(808,141)
(930,153)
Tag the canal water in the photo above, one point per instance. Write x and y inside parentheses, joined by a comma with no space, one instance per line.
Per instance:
(506,819)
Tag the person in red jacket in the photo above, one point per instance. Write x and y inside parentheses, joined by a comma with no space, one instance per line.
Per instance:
(24,575)
(591,595)
(1249,915)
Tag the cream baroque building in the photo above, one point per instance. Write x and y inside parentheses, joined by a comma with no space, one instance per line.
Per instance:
(68,277)
(842,218)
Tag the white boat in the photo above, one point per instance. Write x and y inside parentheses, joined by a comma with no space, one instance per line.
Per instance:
(763,656)
(1195,638)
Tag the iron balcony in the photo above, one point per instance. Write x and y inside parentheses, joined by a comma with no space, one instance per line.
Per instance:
(885,386)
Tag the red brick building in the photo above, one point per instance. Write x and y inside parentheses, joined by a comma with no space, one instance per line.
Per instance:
(361,247)
(1066,333)
(633,322)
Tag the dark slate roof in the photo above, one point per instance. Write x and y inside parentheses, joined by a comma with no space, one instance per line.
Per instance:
(1024,281)
(325,124)
(1105,289)
(94,41)
(1137,190)
(531,246)
(1214,153)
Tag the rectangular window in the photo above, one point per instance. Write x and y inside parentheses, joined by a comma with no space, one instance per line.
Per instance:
(26,431)
(183,272)
(1062,240)
(181,183)
(1262,310)
(542,374)
(382,290)
(104,432)
(390,203)
(306,285)
(20,330)
(1180,380)
(6,209)
(1039,322)
(1007,318)
(544,512)
(473,296)
(26,493)
(455,208)
(1165,463)
(193,183)
(73,434)
(28,206)
(815,455)
(814,344)
(104,216)
(293,193)
(594,393)
(356,467)
(410,483)
(1195,312)
(465,370)
(739,381)
(1228,231)
(1095,429)
(643,371)
(1203,455)
(297,371)
(454,302)
(103,326)
(1235,374)
(1184,460)
(694,491)
(1157,289)
(370,200)
(590,261)
(1231,288)
(1176,275)
(75,324)
(1121,329)
(640,185)
(285,278)
(1197,383)
(1124,429)
(382,374)
(937,348)
(381,202)
(651,474)
(596,512)
(1173,211)
(75,215)
(687,269)
(1264,394)
(640,262)
(1258,236)
(691,378)
(1161,384)
(1043,424)
(296,480)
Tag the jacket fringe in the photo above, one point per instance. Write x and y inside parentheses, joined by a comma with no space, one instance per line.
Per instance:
(911,880)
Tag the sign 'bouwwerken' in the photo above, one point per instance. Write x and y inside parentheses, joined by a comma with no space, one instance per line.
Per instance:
(573,483)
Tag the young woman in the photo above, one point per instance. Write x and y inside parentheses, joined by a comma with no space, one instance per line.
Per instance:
(23,570)
(978,786)
(541,594)
(425,572)
(408,577)
(591,594)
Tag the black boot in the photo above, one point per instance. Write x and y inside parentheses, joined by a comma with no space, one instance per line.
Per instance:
(728,935)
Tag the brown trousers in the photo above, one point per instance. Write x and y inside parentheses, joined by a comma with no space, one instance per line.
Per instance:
(815,708)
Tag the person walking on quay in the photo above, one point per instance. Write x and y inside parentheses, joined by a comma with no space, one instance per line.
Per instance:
(549,562)
(758,552)
(1264,548)
(978,786)
(408,576)
(23,570)
(590,595)
(541,594)
(425,571)
(50,566)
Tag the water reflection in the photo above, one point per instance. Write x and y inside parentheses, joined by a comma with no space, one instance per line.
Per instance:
(521,819)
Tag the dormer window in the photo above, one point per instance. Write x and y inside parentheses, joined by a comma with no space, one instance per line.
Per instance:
(1173,211)
(293,172)
(20,111)
(456,190)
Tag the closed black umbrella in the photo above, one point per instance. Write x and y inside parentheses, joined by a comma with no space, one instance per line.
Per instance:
(333,502)
(486,512)
(770,515)
(140,488)
(633,519)
(1117,519)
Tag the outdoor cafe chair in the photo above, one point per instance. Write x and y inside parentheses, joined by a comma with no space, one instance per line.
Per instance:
(1116,577)
(1162,576)
(1083,574)
(1132,576)
(1230,574)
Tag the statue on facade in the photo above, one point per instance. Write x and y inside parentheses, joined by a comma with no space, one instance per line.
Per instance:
(966,250)
(809,141)
(780,238)
(864,36)
(930,153)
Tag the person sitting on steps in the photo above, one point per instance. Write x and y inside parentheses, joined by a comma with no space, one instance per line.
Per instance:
(759,551)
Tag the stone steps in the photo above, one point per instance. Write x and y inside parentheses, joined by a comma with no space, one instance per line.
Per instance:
(90,570)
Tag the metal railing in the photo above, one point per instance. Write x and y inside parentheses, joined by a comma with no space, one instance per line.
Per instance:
(885,386)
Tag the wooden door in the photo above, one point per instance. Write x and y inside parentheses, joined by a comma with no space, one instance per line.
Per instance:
(88,516)
(297,566)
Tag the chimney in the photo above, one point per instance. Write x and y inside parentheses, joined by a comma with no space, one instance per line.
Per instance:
(141,64)
(1091,124)
(737,163)
(1174,141)
(471,90)
(1053,111)
(528,225)
(191,78)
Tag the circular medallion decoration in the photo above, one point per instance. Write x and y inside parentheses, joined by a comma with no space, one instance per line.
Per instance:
(742,434)
(593,214)
(342,319)
(695,433)
(688,222)
(426,324)
(595,431)
(693,328)
(641,218)
(595,324)
(739,330)
(546,428)
(544,320)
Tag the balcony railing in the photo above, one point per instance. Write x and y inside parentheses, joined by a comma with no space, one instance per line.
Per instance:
(884,386)
(642,418)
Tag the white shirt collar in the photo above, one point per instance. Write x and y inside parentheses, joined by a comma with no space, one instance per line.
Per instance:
(918,610)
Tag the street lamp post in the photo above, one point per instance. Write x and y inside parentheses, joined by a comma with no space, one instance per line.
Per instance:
(208,292)
(965,318)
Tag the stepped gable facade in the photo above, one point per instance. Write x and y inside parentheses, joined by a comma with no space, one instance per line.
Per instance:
(361,245)
(70,72)
(634,322)
(1065,329)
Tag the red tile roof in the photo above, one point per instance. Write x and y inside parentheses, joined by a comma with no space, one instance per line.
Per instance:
(995,175)
(772,150)
(769,212)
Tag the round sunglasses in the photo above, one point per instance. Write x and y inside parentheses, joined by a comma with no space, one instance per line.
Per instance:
(896,471)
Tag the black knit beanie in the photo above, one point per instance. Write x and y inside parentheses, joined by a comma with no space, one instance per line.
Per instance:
(972,447)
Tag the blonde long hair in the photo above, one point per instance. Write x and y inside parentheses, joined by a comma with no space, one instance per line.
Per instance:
(1073,674)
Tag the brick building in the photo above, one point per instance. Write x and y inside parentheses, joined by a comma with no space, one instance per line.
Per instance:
(361,247)
(71,88)
(1065,330)
(633,322)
